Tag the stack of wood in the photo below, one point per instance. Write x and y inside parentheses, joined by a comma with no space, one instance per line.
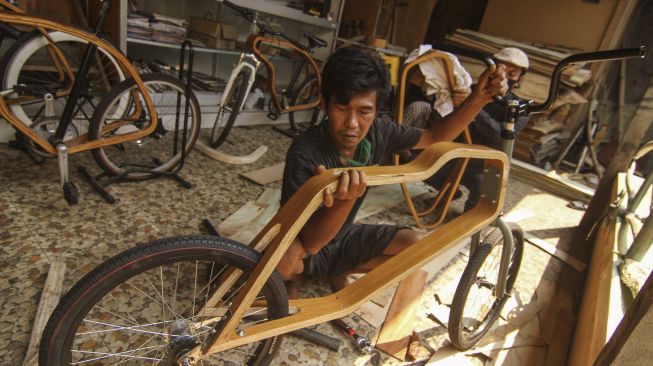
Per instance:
(541,140)
(542,58)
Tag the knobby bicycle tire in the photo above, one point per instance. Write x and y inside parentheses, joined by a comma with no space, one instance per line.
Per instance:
(80,328)
(161,150)
(233,104)
(300,98)
(28,64)
(462,335)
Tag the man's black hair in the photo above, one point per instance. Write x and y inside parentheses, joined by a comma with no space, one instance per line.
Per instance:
(353,70)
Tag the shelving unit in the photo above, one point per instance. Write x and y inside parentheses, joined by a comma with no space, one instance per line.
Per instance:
(178,47)
(219,62)
(280,10)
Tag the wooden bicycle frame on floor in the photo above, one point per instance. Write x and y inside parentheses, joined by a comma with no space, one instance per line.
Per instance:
(81,143)
(255,43)
(278,234)
(450,185)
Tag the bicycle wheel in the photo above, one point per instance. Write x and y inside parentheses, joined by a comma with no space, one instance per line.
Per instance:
(146,306)
(306,93)
(161,150)
(228,112)
(29,65)
(475,305)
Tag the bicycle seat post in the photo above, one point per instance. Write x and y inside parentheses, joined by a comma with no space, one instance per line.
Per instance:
(80,79)
(508,127)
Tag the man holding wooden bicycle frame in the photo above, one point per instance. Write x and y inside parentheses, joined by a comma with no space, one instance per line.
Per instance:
(355,82)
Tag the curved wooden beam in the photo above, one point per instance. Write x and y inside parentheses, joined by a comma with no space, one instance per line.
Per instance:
(230,159)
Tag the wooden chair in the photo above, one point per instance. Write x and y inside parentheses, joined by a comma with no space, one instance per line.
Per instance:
(449,187)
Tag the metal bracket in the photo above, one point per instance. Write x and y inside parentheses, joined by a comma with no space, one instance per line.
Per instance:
(491,184)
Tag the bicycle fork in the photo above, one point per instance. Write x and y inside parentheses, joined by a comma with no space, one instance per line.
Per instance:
(491,179)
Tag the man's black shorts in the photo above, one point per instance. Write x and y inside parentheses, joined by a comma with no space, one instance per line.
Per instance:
(356,245)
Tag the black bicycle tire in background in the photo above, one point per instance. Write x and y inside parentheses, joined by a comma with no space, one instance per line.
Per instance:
(233,105)
(459,336)
(298,100)
(73,316)
(108,157)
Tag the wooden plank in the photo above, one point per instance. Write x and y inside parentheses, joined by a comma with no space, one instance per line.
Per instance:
(239,219)
(551,181)
(372,314)
(230,159)
(631,339)
(590,333)
(49,300)
(448,356)
(266,175)
(575,263)
(398,326)
(559,345)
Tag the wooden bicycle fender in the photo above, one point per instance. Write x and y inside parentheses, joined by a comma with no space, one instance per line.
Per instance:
(122,61)
(294,214)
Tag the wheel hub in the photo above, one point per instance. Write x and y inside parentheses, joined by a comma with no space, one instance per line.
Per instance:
(181,342)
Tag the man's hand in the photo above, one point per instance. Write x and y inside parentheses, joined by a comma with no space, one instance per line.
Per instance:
(351,185)
(492,82)
(459,95)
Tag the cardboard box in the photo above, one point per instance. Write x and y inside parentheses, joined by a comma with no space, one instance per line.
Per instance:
(213,42)
(212,28)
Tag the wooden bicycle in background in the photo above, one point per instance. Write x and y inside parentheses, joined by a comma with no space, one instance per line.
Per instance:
(197,300)
(134,128)
(297,96)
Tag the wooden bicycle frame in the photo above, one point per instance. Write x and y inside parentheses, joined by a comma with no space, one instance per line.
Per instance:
(80,143)
(449,187)
(278,234)
(254,43)
(58,59)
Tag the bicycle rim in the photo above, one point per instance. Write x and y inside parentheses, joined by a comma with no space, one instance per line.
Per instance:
(28,63)
(146,306)
(229,110)
(159,151)
(475,305)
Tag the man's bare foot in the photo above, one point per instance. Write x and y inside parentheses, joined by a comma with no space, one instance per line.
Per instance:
(339,282)
(293,285)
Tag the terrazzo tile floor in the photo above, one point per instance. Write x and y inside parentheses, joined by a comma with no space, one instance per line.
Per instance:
(37,227)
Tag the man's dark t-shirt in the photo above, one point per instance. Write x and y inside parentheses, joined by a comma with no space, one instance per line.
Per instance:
(315,147)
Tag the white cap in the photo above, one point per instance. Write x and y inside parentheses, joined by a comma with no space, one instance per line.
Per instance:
(514,56)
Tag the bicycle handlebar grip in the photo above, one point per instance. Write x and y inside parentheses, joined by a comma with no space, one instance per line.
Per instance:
(616,54)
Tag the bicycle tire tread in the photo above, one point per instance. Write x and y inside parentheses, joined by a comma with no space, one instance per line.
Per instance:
(94,278)
(492,239)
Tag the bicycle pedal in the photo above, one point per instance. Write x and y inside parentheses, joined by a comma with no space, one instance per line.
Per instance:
(273,116)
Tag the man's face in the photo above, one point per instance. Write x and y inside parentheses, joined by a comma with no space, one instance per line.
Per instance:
(349,123)
(513,73)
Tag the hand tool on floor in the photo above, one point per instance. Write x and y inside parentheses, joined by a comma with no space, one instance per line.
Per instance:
(210,229)
(318,338)
(361,343)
